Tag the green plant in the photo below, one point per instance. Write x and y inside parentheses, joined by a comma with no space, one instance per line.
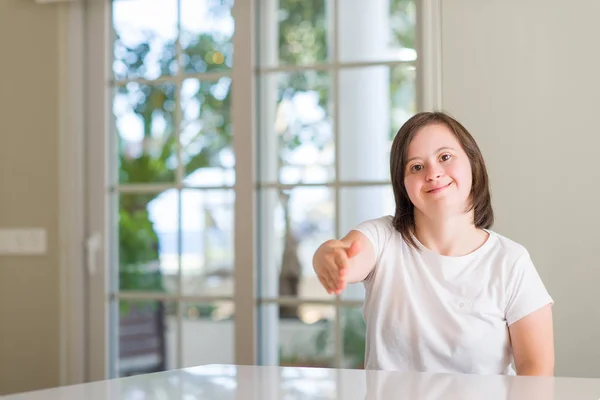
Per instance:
(138,241)
(353,337)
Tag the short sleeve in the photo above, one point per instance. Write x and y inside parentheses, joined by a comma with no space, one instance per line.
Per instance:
(378,232)
(526,292)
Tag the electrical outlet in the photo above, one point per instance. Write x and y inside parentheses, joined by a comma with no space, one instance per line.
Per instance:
(22,241)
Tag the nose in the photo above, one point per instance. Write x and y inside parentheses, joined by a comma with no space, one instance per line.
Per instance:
(434,172)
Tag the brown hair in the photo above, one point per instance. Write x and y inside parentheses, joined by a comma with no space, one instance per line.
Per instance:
(481,202)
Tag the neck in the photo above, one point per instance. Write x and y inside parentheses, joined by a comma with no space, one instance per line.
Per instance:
(449,236)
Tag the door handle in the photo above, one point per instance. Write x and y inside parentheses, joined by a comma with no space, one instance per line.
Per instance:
(92,246)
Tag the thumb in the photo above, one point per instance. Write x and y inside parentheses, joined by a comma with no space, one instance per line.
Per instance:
(353,249)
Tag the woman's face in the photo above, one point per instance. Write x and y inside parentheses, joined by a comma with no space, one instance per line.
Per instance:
(438,174)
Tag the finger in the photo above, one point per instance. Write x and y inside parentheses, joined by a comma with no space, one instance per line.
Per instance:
(341,261)
(325,283)
(353,249)
(343,266)
(333,278)
(340,288)
(330,274)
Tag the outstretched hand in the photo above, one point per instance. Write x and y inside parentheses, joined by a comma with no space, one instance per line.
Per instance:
(331,263)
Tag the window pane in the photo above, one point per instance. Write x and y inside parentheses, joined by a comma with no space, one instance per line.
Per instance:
(380,30)
(208,334)
(207,242)
(146,33)
(144,124)
(306,341)
(206,35)
(296,136)
(353,337)
(294,224)
(374,102)
(146,336)
(358,204)
(148,241)
(293,32)
(207,154)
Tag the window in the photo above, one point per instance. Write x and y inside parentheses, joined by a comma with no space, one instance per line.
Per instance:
(334,81)
(172,183)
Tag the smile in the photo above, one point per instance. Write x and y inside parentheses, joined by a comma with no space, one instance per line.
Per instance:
(439,189)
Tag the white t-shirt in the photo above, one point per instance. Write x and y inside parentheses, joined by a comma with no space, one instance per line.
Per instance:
(429,312)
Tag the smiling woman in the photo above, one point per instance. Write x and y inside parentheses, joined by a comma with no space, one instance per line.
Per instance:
(460,293)
(186,190)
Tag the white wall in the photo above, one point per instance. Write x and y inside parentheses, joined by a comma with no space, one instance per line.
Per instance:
(524,77)
(29,179)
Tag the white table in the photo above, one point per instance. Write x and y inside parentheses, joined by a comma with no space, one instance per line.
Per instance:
(269,383)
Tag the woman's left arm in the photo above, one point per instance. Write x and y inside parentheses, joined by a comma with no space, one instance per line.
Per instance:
(532,341)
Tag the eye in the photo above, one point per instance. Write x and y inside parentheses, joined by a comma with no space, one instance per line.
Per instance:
(416,168)
(445,157)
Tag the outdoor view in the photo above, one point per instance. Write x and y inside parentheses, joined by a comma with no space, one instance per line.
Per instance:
(173,172)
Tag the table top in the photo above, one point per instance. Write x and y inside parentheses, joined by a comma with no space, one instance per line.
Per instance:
(270,383)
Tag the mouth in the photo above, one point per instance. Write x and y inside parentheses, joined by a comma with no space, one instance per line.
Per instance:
(439,188)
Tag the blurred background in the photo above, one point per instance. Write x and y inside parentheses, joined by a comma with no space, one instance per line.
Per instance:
(169,168)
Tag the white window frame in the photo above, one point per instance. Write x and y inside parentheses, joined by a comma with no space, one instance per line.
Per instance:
(84,74)
(71,69)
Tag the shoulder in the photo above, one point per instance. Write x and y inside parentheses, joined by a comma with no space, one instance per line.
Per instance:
(515,261)
(524,289)
(384,221)
(380,232)
(508,249)
(381,226)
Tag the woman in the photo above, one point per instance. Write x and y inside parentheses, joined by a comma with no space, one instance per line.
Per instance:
(444,293)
